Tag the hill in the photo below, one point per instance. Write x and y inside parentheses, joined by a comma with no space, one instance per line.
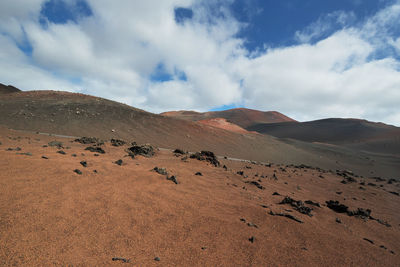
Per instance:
(355,133)
(71,114)
(241,116)
(8,89)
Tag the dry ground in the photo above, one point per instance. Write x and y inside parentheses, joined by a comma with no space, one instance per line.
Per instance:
(50,215)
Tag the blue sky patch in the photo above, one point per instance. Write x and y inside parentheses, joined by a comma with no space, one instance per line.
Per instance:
(274,23)
(61,12)
(182,14)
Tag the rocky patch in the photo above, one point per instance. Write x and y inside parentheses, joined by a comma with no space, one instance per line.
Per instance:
(117,142)
(206,156)
(95,149)
(146,150)
(298,205)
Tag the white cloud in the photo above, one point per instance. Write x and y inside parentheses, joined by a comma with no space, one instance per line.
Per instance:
(114,53)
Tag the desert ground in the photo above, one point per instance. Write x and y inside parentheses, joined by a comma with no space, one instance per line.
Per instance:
(63,205)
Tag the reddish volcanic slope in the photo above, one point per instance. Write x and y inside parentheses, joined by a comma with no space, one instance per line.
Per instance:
(241,116)
(224,124)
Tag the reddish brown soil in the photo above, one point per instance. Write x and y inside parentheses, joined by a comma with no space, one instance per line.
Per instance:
(241,116)
(224,124)
(50,215)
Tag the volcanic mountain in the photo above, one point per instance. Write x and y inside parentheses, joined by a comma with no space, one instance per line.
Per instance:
(355,133)
(241,116)
(71,114)
(8,89)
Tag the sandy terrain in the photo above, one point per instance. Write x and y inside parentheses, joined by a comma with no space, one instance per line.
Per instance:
(224,124)
(50,215)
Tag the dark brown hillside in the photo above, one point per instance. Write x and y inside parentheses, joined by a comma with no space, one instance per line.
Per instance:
(359,134)
(8,89)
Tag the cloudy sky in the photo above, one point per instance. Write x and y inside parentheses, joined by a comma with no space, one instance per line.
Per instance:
(308,59)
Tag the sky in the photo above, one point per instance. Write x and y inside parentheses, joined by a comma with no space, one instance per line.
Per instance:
(308,59)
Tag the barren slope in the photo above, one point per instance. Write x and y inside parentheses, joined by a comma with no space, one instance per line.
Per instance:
(241,116)
(81,115)
(8,89)
(50,215)
(358,134)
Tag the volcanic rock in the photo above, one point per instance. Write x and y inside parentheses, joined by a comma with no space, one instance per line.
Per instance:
(206,156)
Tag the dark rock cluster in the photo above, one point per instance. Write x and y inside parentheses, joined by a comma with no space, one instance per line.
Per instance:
(146,150)
(298,205)
(206,156)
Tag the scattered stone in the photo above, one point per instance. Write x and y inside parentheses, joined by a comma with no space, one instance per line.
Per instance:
(89,140)
(13,149)
(95,171)
(96,155)
(336,206)
(161,171)
(380,221)
(145,150)
(157,259)
(382,246)
(73,155)
(240,172)
(198,174)
(173,179)
(298,205)
(338,220)
(61,152)
(44,157)
(119,162)
(184,158)
(316,204)
(225,168)
(252,239)
(179,151)
(83,163)
(394,193)
(348,180)
(339,192)
(117,142)
(242,219)
(286,215)
(121,259)
(276,194)
(95,149)
(362,213)
(203,248)
(78,171)
(252,225)
(391,181)
(206,156)
(56,144)
(371,184)
(368,240)
(25,154)
(259,186)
